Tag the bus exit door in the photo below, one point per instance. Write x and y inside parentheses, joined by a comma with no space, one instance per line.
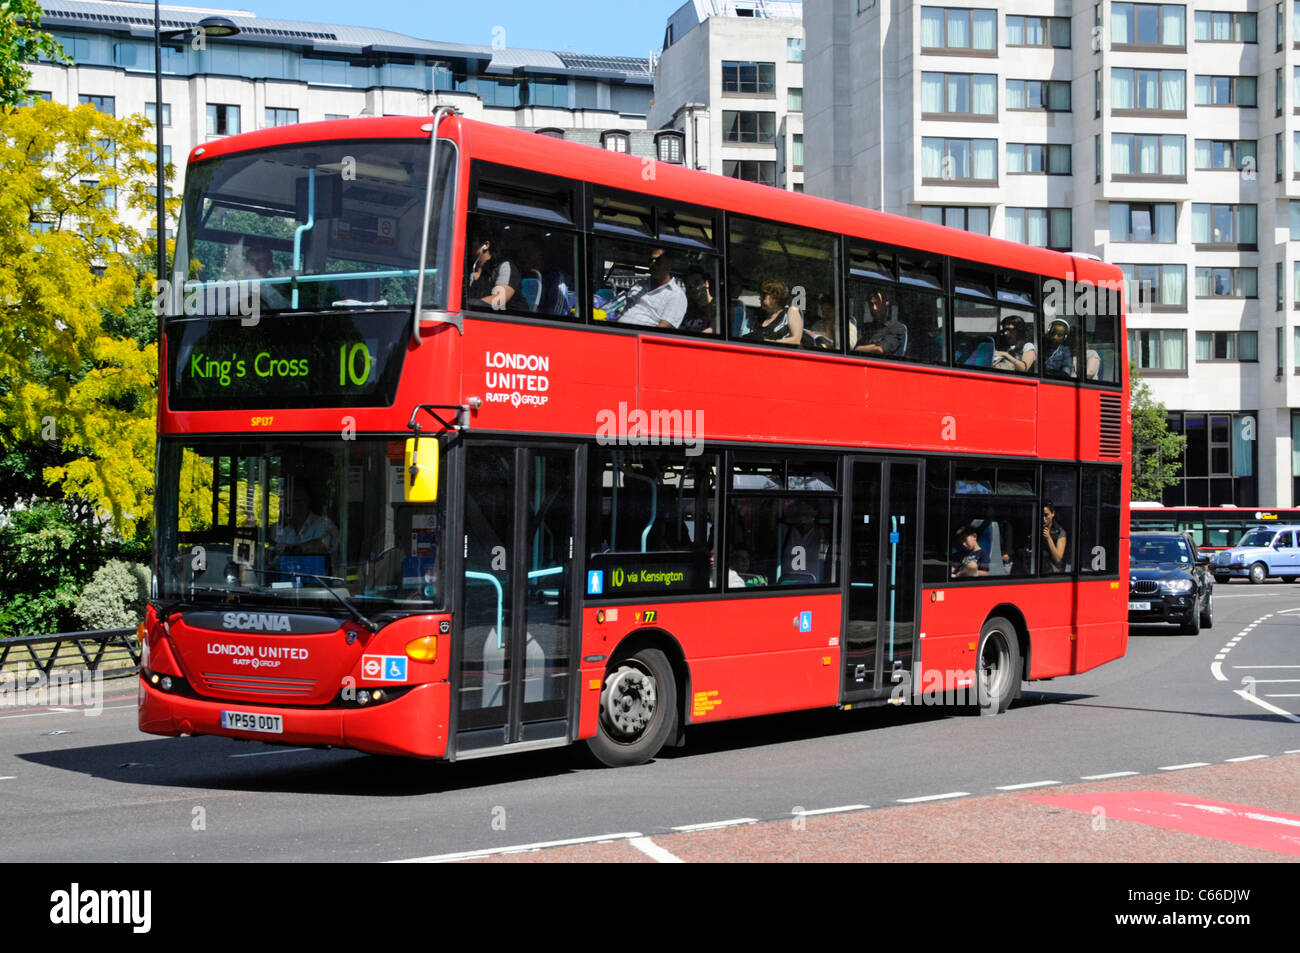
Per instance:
(882,577)
(512,680)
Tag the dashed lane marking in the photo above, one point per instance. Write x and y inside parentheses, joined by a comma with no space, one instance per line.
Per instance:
(1027,784)
(714,825)
(516,849)
(933,797)
(1103,777)
(651,849)
(832,810)
(258,754)
(1181,767)
(1249,757)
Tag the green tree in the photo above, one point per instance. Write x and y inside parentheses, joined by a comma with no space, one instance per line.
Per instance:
(22,42)
(1157,452)
(68,252)
(47,555)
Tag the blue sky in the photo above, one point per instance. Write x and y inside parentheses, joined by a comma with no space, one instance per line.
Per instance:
(610,27)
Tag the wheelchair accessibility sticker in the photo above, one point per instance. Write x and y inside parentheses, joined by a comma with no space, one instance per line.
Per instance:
(384,668)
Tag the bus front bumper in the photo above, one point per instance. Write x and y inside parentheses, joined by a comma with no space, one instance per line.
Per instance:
(414,724)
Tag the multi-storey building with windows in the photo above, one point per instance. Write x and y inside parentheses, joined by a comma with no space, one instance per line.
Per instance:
(282,71)
(1163,137)
(729,83)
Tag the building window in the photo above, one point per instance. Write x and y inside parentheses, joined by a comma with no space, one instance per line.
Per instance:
(668,146)
(968,218)
(959,95)
(1224,225)
(551,133)
(615,141)
(1295,154)
(1148,90)
(794,49)
(1227,282)
(796,151)
(960,30)
(1219,460)
(1132,154)
(794,99)
(1226,91)
(1143,222)
(1096,157)
(1163,350)
(748,126)
(959,160)
(281,117)
(1028,158)
(1038,31)
(1038,94)
(1152,287)
(105,104)
(1148,24)
(738,77)
(1238,346)
(751,170)
(37,95)
(1231,154)
(151,110)
(332,116)
(1218,27)
(223,120)
(1041,227)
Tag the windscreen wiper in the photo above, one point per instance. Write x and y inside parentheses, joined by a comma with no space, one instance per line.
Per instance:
(343,600)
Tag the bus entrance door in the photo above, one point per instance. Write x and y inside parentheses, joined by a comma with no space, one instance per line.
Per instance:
(882,578)
(516,636)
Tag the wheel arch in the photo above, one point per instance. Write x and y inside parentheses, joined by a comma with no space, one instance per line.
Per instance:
(664,641)
(1013,615)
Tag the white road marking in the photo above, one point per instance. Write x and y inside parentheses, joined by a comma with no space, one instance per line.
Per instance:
(1180,767)
(1103,777)
(1265,705)
(1292,751)
(714,825)
(1249,757)
(1267,695)
(258,754)
(1266,666)
(933,797)
(1274,681)
(1217,809)
(516,849)
(9,777)
(1027,784)
(651,849)
(832,810)
(1217,671)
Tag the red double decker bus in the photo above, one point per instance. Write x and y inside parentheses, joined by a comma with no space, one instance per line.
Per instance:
(475,441)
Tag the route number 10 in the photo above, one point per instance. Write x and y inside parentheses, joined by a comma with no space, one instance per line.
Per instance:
(354,364)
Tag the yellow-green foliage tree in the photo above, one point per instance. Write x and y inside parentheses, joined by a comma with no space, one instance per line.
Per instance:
(75,181)
(21,41)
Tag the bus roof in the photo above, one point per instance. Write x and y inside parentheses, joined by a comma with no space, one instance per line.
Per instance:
(528,150)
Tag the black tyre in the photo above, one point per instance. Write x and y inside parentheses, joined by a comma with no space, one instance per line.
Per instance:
(1193,624)
(1207,614)
(998,676)
(1258,573)
(1288,579)
(1222,580)
(638,710)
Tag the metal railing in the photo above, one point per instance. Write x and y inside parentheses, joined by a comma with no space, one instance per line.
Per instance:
(93,649)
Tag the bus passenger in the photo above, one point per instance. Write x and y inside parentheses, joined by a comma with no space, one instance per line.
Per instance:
(304,531)
(493,279)
(1015,351)
(819,328)
(1053,557)
(885,335)
(801,553)
(738,564)
(782,324)
(1056,345)
(972,560)
(553,284)
(700,309)
(660,300)
(257,256)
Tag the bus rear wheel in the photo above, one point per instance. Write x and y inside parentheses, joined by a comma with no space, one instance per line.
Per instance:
(998,675)
(638,710)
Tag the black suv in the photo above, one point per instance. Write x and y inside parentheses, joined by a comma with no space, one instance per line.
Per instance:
(1169,581)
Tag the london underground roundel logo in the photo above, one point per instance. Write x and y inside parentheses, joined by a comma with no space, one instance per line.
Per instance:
(371,668)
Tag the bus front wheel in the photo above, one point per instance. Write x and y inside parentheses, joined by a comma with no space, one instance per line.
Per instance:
(638,710)
(998,676)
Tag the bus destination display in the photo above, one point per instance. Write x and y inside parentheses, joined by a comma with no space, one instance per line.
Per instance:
(286,361)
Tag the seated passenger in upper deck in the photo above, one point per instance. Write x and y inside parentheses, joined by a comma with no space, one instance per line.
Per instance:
(660,300)
(884,335)
(493,279)
(782,322)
